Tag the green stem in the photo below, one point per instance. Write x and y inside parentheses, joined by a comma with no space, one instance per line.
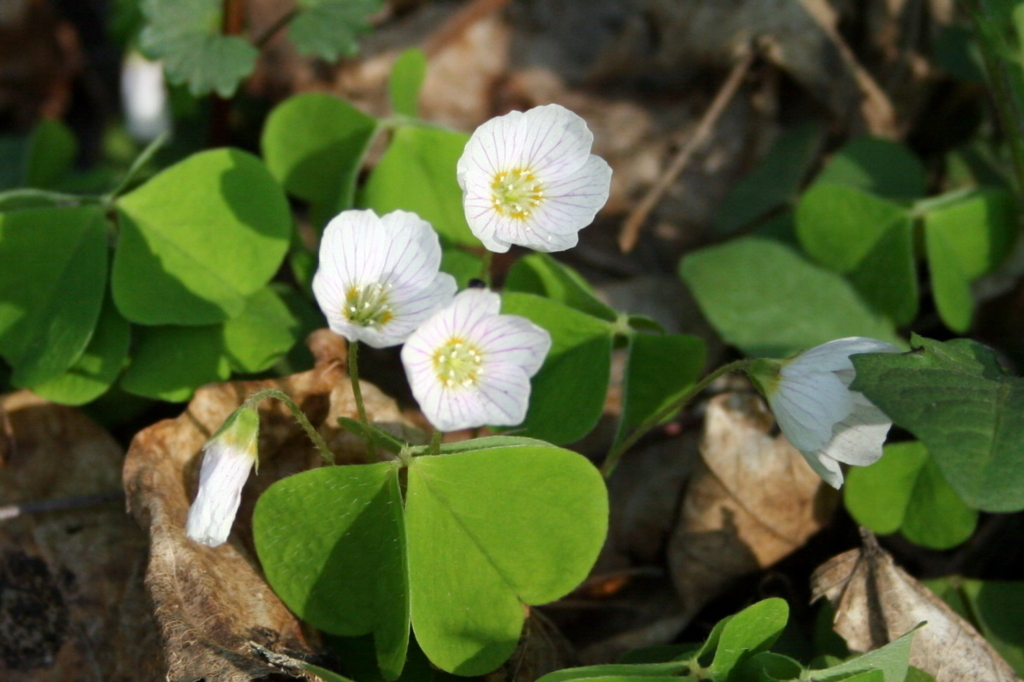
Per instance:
(435,442)
(353,373)
(300,416)
(56,198)
(141,160)
(615,454)
(485,268)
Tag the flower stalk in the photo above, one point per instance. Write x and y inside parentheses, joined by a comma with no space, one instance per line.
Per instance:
(357,393)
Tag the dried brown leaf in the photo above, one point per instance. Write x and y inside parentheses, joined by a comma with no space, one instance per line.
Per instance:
(72,602)
(219,619)
(753,501)
(876,602)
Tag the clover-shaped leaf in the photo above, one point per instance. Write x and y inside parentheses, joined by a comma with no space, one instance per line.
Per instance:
(329,28)
(482,533)
(186,35)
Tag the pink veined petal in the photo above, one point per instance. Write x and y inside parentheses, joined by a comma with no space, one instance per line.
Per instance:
(807,406)
(571,204)
(491,148)
(356,246)
(414,251)
(555,141)
(516,340)
(858,438)
(469,309)
(826,467)
(504,394)
(413,306)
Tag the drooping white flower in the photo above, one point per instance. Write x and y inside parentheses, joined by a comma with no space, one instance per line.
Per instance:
(816,410)
(228,457)
(530,179)
(379,276)
(469,366)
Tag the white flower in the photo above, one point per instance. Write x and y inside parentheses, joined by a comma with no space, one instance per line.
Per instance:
(816,410)
(378,276)
(530,179)
(469,366)
(228,457)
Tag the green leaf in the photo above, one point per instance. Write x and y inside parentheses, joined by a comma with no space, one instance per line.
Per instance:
(461,265)
(483,533)
(417,173)
(492,531)
(767,666)
(540,274)
(891,660)
(405,82)
(660,369)
(332,542)
(838,226)
(905,490)
(866,237)
(186,36)
(775,182)
(660,653)
(762,297)
(966,237)
(969,413)
(325,674)
(97,367)
(330,28)
(487,443)
(882,167)
(52,150)
(569,391)
(264,332)
(198,239)
(669,670)
(313,144)
(170,363)
(53,268)
(994,607)
(752,630)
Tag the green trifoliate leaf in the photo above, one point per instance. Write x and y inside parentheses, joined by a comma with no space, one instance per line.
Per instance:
(417,173)
(868,238)
(483,533)
(967,234)
(98,366)
(969,413)
(906,491)
(620,672)
(762,297)
(568,393)
(879,166)
(53,269)
(313,144)
(199,239)
(186,35)
(330,28)
(406,78)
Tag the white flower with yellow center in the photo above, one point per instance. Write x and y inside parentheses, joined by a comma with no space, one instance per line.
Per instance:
(816,410)
(378,276)
(530,179)
(469,366)
(228,457)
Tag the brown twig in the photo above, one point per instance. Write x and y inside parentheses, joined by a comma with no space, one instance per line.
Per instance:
(471,13)
(634,221)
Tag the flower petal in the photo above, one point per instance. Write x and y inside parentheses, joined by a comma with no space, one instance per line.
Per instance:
(806,407)
(516,340)
(835,355)
(223,474)
(504,394)
(859,437)
(413,254)
(826,467)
